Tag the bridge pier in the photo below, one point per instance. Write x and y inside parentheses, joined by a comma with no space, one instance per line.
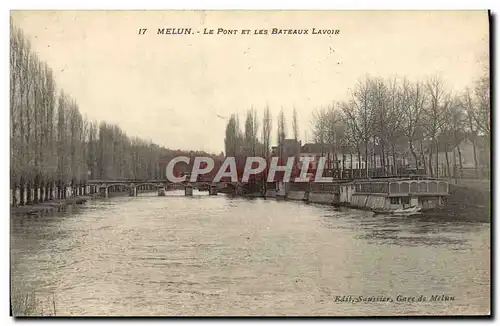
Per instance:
(132,190)
(188,190)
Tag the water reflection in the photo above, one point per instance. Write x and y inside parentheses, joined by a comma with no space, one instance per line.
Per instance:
(404,231)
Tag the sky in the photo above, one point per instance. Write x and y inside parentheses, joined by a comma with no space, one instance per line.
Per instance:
(179,90)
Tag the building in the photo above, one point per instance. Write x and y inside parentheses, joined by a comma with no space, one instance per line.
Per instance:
(338,163)
(333,159)
(290,148)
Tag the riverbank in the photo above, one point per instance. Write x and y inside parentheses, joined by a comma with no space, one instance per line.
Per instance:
(58,205)
(27,304)
(55,205)
(471,203)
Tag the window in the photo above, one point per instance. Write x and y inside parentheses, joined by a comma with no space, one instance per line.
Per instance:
(405,200)
(413,187)
(395,200)
(443,187)
(394,188)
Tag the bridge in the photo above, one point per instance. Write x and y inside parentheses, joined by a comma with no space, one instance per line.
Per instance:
(104,187)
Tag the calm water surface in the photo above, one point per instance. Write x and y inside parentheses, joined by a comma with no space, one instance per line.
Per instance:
(216,255)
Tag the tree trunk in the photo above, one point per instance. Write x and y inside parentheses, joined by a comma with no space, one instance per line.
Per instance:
(60,190)
(423,157)
(430,162)
(460,161)
(475,157)
(373,161)
(48,190)
(394,163)
(454,164)
(43,189)
(366,159)
(351,166)
(343,166)
(28,195)
(447,162)
(14,195)
(387,162)
(37,186)
(437,160)
(382,158)
(21,192)
(413,154)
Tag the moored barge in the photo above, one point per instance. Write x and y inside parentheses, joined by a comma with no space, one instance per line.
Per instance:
(395,194)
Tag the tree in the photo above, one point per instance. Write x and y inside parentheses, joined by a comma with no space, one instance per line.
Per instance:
(435,115)
(454,127)
(251,132)
(233,139)
(281,131)
(295,125)
(281,127)
(413,99)
(360,113)
(319,127)
(333,121)
(266,131)
(471,123)
(53,144)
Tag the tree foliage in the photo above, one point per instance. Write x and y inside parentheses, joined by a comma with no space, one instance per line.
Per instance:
(51,142)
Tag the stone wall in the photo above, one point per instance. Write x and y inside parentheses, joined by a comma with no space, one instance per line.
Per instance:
(322,198)
(271,193)
(296,195)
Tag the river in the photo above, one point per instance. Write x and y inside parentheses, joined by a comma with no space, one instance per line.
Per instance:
(217,255)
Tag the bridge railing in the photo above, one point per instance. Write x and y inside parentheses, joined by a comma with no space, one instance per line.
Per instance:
(127,181)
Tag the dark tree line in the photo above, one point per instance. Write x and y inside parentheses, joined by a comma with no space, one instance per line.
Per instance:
(54,147)
(246,143)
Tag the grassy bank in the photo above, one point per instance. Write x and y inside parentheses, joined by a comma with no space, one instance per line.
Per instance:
(58,205)
(473,203)
(49,206)
(27,304)
(466,203)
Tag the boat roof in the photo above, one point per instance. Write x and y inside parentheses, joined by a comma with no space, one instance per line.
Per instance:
(401,178)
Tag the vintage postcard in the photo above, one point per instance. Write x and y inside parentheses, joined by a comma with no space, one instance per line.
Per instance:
(250,163)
